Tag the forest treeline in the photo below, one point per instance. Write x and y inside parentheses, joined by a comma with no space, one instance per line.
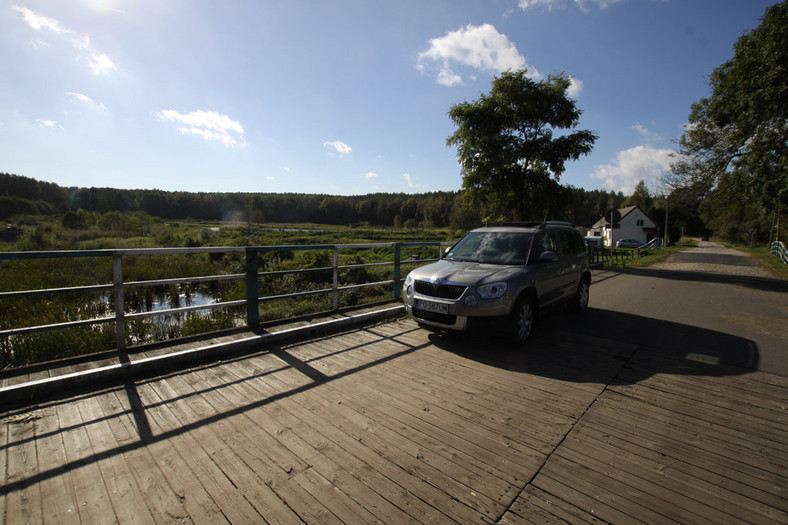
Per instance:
(20,195)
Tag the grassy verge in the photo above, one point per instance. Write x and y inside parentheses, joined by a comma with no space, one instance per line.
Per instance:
(767,261)
(654,256)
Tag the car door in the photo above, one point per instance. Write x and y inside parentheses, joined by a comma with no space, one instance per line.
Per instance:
(548,275)
(573,256)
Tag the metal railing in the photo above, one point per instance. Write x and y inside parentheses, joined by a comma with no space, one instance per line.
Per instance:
(251,276)
(606,256)
(778,249)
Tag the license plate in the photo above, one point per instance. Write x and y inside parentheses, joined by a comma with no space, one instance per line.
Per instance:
(440,308)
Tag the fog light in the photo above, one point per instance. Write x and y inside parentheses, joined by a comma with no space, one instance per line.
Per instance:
(471,300)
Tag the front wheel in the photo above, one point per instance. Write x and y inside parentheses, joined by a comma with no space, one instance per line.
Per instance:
(522,322)
(579,302)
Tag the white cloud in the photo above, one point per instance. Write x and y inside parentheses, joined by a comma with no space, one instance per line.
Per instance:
(583,5)
(99,63)
(409,180)
(208,124)
(633,165)
(649,136)
(480,48)
(39,22)
(371,175)
(81,97)
(52,124)
(575,87)
(339,146)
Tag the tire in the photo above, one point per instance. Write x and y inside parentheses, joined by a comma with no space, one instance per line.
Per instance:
(522,322)
(579,302)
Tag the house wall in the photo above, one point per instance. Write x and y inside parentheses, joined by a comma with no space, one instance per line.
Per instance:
(630,229)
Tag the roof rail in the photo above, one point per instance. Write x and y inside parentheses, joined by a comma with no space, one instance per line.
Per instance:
(539,225)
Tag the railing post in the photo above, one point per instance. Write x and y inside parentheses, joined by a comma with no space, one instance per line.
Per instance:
(117,282)
(397,276)
(336,279)
(252,289)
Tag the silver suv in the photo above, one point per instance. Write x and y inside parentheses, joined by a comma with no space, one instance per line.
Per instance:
(501,275)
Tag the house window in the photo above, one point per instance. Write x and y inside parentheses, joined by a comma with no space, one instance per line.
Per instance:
(640,222)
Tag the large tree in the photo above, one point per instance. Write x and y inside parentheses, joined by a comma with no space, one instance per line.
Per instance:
(512,146)
(736,142)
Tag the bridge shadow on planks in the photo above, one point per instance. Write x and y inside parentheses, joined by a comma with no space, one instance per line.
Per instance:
(134,406)
(596,346)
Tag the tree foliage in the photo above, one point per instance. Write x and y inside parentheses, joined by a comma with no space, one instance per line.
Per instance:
(92,207)
(507,143)
(735,145)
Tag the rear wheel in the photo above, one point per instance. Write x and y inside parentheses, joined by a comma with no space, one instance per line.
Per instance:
(579,302)
(522,322)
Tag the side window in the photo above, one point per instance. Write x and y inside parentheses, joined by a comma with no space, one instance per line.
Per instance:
(566,242)
(573,243)
(545,242)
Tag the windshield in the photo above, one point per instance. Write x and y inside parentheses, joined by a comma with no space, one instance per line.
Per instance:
(492,248)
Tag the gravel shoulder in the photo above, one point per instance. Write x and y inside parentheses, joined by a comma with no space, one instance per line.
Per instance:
(713,258)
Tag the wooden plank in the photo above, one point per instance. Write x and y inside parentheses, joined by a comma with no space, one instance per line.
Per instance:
(125,497)
(444,415)
(466,478)
(314,446)
(289,464)
(529,421)
(539,381)
(537,506)
(688,481)
(402,466)
(265,461)
(727,376)
(724,441)
(747,404)
(59,504)
(506,402)
(23,496)
(93,500)
(197,503)
(434,421)
(614,501)
(134,499)
(661,491)
(398,505)
(191,439)
(645,433)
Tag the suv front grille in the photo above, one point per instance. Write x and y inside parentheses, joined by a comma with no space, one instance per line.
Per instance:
(444,291)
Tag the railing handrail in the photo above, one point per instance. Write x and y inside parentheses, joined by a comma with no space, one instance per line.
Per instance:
(778,249)
(251,276)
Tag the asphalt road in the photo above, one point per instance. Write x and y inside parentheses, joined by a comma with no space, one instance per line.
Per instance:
(710,304)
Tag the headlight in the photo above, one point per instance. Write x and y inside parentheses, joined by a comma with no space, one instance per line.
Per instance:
(407,286)
(491,291)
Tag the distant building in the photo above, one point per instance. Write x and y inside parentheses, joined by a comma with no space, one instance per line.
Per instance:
(634,224)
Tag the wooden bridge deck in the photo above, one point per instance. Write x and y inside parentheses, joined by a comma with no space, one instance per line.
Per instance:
(391,424)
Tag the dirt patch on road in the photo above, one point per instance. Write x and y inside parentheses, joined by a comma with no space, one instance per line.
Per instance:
(713,258)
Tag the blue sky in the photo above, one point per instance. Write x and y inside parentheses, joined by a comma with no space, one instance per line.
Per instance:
(342,97)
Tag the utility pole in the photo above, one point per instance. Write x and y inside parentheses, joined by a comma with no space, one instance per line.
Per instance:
(667,206)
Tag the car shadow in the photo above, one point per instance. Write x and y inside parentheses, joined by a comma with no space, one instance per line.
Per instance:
(766,284)
(604,346)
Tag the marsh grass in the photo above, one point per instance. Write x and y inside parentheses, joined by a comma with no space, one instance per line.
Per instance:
(47,309)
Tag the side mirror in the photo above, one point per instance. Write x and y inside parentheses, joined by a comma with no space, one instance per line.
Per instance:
(447,250)
(548,256)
